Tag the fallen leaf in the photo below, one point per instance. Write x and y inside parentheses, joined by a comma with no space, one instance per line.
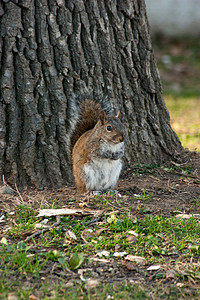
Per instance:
(137,259)
(153,268)
(117,247)
(70,235)
(89,233)
(99,231)
(80,272)
(183,216)
(102,260)
(131,238)
(76,260)
(92,283)
(180,284)
(70,283)
(33,297)
(12,296)
(4,241)
(30,255)
(132,232)
(171,274)
(103,253)
(120,254)
(11,213)
(2,219)
(187,216)
(45,221)
(67,211)
(109,297)
(40,225)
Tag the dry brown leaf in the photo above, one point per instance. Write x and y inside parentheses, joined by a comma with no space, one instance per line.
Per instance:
(89,233)
(33,297)
(180,284)
(136,259)
(99,231)
(131,238)
(170,274)
(12,296)
(102,260)
(70,235)
(92,283)
(187,216)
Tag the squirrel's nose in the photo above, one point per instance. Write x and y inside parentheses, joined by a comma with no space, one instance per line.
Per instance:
(121,138)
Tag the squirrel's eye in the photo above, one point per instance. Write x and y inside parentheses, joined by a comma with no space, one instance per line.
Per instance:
(109,128)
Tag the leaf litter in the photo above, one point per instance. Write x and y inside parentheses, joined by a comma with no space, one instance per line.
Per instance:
(105,240)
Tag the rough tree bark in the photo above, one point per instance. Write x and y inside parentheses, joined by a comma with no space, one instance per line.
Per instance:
(53,54)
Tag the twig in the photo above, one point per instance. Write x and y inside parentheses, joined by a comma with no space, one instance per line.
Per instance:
(53,268)
(151,277)
(181,174)
(84,238)
(3,178)
(186,175)
(19,193)
(44,230)
(155,212)
(92,221)
(154,177)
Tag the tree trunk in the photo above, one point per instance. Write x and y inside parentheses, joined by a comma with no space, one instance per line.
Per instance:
(54,53)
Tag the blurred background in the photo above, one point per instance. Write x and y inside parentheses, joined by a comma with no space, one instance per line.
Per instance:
(175,31)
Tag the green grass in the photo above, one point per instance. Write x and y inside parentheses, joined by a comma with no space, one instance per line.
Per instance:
(165,236)
(159,239)
(105,291)
(142,169)
(185,116)
(27,267)
(178,62)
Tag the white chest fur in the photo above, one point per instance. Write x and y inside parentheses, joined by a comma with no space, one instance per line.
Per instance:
(103,173)
(105,146)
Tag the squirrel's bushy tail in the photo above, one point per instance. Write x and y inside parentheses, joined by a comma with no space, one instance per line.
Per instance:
(89,116)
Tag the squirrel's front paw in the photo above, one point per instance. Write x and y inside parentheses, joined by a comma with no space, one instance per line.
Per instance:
(117,155)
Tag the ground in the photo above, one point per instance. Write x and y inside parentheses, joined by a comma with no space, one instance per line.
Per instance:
(141,220)
(152,222)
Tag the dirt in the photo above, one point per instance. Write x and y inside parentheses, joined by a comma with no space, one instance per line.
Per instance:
(167,190)
(171,187)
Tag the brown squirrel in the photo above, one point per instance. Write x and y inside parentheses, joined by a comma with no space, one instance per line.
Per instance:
(98,149)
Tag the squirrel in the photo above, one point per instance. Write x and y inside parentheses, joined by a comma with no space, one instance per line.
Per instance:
(98,148)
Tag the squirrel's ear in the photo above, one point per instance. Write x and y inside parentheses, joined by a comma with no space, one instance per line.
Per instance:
(102,117)
(118,114)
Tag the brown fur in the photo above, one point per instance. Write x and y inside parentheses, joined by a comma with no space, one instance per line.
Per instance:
(90,134)
(90,112)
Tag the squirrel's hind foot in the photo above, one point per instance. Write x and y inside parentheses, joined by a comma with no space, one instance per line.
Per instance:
(107,191)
